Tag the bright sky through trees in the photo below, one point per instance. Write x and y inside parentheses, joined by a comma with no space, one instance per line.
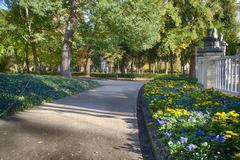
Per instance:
(2,5)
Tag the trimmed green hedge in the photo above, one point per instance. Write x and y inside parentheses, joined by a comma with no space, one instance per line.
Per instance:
(113,75)
(126,75)
(18,92)
(109,75)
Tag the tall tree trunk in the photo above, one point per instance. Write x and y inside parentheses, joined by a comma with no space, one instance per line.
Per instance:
(66,50)
(192,72)
(27,59)
(166,67)
(123,64)
(153,68)
(171,63)
(156,67)
(160,67)
(31,41)
(34,52)
(17,60)
(88,67)
(149,67)
(182,64)
(88,63)
(132,64)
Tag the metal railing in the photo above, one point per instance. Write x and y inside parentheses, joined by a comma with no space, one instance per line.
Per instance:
(227,76)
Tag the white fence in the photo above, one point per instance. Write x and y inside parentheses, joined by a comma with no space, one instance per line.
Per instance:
(227,74)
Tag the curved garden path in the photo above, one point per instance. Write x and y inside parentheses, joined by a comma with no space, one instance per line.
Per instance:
(98,124)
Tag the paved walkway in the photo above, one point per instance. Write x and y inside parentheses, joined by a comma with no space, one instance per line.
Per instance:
(99,124)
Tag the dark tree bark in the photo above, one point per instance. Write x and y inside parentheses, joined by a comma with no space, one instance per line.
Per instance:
(149,67)
(17,60)
(182,64)
(34,52)
(122,64)
(192,72)
(132,64)
(191,51)
(27,59)
(66,50)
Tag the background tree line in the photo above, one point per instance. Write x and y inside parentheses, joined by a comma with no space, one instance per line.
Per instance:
(41,35)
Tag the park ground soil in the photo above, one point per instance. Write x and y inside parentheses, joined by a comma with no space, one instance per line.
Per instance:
(98,124)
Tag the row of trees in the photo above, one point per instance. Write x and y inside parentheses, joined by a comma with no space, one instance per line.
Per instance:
(40,35)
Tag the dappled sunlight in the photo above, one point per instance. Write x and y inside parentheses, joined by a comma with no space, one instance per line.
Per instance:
(82,110)
(89,124)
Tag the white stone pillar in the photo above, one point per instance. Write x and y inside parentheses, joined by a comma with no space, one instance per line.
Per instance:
(205,64)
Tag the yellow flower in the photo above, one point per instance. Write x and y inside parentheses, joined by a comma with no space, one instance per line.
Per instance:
(228,136)
(178,112)
(185,112)
(231,133)
(169,110)
(222,115)
(233,113)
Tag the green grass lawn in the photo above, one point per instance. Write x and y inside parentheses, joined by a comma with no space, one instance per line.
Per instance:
(18,92)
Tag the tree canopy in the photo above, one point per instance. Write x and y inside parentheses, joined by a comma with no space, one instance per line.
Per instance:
(127,33)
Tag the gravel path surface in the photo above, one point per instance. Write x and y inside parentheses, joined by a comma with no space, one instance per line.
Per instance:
(99,124)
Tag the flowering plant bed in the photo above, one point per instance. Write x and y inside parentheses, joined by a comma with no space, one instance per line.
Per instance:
(193,122)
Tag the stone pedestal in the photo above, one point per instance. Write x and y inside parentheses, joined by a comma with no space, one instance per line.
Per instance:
(214,47)
(209,68)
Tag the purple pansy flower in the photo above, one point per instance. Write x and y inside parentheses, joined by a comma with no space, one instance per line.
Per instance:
(191,147)
(167,134)
(183,140)
(220,138)
(161,122)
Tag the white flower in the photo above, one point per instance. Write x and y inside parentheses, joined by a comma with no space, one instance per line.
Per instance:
(170,143)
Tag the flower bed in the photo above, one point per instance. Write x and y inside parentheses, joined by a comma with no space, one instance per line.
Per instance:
(193,122)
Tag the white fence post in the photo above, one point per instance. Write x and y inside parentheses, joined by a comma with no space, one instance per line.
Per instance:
(228,74)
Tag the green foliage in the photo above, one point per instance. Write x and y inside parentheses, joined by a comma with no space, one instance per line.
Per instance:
(135,23)
(18,92)
(133,31)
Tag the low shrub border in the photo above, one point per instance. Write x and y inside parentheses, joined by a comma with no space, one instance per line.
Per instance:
(192,122)
(126,75)
(18,92)
(113,75)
